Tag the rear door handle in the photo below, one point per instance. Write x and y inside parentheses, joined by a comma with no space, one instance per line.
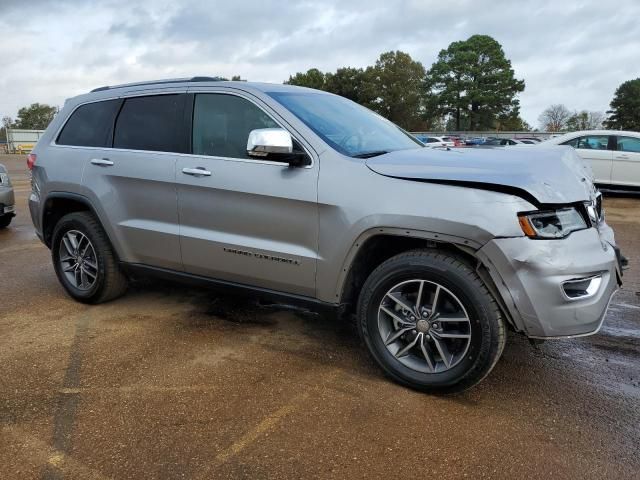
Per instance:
(103,162)
(197,172)
(622,157)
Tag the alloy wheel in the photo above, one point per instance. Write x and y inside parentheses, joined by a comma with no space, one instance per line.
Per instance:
(424,326)
(78,260)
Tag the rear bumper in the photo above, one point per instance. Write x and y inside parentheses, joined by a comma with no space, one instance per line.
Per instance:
(537,280)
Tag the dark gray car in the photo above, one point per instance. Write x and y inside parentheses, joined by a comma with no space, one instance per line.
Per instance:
(7,198)
(301,195)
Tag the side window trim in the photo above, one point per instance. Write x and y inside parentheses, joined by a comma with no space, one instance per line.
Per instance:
(190,105)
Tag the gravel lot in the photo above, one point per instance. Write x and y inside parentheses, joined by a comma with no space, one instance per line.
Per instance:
(176,382)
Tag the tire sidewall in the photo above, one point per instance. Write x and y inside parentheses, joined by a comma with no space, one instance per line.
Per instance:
(77,222)
(458,283)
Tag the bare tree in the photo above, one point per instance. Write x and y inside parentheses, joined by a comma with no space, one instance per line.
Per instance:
(554,118)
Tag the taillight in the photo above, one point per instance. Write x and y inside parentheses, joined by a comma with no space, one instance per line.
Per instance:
(31,160)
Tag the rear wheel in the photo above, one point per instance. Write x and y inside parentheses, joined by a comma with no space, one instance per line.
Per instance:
(84,260)
(5,220)
(429,321)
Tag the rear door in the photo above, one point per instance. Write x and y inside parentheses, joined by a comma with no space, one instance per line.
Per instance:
(133,182)
(245,220)
(596,149)
(626,162)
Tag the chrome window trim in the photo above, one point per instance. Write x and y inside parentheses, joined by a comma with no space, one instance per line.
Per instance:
(178,91)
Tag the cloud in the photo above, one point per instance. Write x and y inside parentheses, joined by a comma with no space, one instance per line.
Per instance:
(576,53)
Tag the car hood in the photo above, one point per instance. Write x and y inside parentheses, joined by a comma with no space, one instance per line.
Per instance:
(549,175)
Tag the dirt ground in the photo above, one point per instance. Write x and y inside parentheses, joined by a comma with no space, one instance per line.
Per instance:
(176,382)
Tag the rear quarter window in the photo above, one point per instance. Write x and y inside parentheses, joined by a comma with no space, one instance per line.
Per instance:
(90,125)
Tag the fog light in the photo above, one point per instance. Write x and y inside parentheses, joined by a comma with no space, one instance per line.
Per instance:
(581,288)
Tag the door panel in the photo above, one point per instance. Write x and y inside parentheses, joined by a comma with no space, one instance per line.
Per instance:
(134,182)
(249,222)
(244,220)
(594,149)
(137,195)
(626,162)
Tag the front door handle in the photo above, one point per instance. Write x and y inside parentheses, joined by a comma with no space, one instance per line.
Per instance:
(622,157)
(103,162)
(197,172)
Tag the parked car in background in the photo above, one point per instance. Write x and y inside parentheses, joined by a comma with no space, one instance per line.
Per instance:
(614,155)
(527,141)
(433,142)
(476,140)
(7,199)
(530,139)
(502,142)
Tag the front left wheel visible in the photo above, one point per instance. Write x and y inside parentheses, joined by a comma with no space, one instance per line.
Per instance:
(84,260)
(429,321)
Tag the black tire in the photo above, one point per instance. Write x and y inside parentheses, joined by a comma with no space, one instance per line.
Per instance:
(486,323)
(111,282)
(5,220)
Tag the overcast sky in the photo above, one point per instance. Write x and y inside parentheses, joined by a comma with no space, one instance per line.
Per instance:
(571,52)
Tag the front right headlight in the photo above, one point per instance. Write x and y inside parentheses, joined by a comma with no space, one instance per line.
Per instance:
(4,180)
(552,223)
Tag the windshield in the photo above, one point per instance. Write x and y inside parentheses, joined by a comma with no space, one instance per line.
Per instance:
(348,127)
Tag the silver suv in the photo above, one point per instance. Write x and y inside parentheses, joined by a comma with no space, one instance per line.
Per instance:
(7,198)
(305,196)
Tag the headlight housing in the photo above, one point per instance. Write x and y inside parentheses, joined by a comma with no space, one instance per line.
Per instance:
(552,223)
(4,179)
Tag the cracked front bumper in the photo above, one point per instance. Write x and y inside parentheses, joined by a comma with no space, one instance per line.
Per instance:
(532,275)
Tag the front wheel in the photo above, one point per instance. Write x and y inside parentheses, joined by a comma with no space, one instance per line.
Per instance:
(429,321)
(5,220)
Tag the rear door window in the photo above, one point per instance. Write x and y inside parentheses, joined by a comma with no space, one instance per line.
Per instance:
(221,124)
(90,125)
(629,144)
(152,123)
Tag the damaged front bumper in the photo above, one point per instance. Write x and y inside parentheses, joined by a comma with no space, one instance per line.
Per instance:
(556,288)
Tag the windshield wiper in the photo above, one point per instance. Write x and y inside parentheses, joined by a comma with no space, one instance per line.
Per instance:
(374,153)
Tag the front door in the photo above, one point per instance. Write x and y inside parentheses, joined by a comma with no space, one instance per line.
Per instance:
(244,220)
(626,162)
(595,150)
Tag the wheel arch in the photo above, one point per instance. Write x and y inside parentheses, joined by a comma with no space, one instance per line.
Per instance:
(379,244)
(59,204)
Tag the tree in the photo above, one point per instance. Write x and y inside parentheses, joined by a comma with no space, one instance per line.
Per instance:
(6,123)
(395,86)
(625,107)
(348,82)
(512,122)
(473,80)
(312,78)
(554,118)
(585,120)
(37,116)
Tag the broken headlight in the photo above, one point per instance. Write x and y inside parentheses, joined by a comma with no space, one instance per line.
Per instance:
(552,224)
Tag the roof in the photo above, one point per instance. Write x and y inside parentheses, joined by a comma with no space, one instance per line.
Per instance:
(265,87)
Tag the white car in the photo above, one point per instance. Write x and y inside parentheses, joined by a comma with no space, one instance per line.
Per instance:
(433,142)
(614,155)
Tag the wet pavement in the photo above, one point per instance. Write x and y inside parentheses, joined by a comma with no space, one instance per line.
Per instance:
(176,382)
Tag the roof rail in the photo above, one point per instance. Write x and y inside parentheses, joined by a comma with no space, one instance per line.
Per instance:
(160,82)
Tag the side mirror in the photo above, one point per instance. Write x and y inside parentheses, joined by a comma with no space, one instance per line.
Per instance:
(275,144)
